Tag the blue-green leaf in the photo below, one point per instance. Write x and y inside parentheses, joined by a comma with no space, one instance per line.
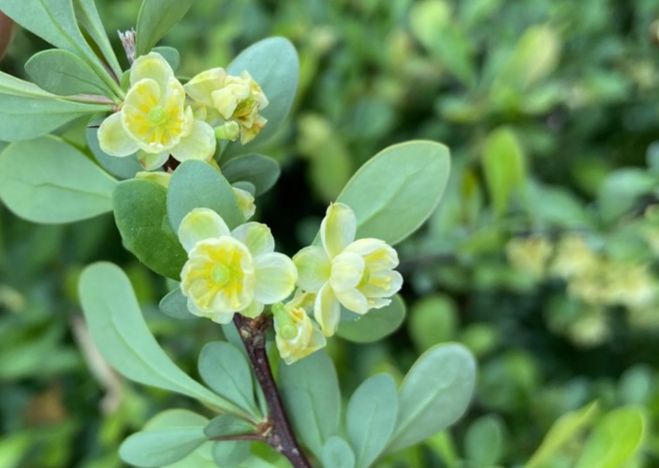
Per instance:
(155,19)
(409,180)
(260,171)
(371,417)
(196,184)
(337,453)
(375,325)
(49,181)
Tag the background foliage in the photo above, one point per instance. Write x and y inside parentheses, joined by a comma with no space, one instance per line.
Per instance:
(550,108)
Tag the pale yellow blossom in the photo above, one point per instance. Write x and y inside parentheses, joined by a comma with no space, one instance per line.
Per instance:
(356,274)
(296,334)
(234,103)
(231,271)
(530,254)
(154,120)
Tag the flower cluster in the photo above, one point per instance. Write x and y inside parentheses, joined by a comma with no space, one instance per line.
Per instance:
(160,117)
(237,271)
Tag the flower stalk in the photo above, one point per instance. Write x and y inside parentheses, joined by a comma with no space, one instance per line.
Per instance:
(278,433)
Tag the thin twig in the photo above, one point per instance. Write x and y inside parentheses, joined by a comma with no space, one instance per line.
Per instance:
(279,434)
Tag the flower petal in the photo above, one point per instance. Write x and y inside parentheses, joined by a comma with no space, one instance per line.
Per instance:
(382,284)
(353,300)
(327,311)
(201,86)
(377,253)
(338,228)
(275,277)
(151,161)
(256,236)
(152,66)
(217,317)
(198,144)
(313,268)
(201,224)
(347,271)
(113,138)
(245,201)
(253,310)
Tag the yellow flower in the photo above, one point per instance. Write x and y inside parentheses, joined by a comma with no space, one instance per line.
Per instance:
(154,120)
(530,254)
(356,274)
(574,257)
(232,100)
(231,271)
(296,334)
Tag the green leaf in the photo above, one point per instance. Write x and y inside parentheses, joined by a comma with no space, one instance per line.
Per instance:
(484,441)
(615,440)
(155,19)
(124,168)
(49,181)
(161,447)
(141,216)
(62,72)
(231,453)
(504,167)
(118,329)
(90,20)
(371,417)
(175,304)
(23,116)
(275,66)
(226,425)
(409,180)
(337,453)
(432,320)
(564,430)
(434,394)
(225,370)
(56,23)
(196,184)
(260,171)
(310,390)
(375,325)
(170,54)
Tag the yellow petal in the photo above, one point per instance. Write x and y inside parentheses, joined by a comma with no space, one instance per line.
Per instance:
(199,144)
(313,268)
(353,300)
(377,254)
(338,228)
(201,224)
(347,271)
(256,236)
(253,310)
(382,284)
(159,177)
(152,66)
(201,87)
(245,201)
(327,310)
(113,138)
(275,277)
(151,161)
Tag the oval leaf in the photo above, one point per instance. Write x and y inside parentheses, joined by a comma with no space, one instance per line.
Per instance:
(49,181)
(224,369)
(484,441)
(155,18)
(371,417)
(409,180)
(141,216)
(161,447)
(175,304)
(118,329)
(260,171)
(196,184)
(434,394)
(615,440)
(337,453)
(226,425)
(275,66)
(124,168)
(310,390)
(62,72)
(375,325)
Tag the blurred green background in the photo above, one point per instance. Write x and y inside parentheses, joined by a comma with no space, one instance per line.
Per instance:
(541,258)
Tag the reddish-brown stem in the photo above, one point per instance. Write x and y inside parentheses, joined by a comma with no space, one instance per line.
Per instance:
(6,26)
(278,434)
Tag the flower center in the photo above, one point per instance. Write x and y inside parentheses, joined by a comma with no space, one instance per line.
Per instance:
(221,274)
(157,116)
